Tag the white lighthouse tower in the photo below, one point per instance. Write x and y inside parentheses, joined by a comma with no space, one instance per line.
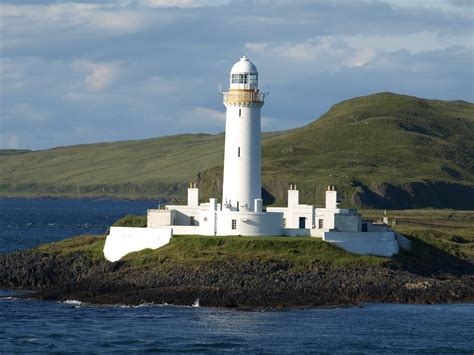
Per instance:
(242,161)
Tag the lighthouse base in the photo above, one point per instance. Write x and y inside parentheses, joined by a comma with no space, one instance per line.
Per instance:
(205,220)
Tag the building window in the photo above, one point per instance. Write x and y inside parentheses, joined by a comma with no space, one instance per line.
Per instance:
(192,221)
(320,223)
(240,112)
(284,222)
(364,227)
(238,152)
(234,224)
(253,78)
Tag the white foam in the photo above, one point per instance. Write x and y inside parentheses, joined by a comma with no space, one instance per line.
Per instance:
(196,303)
(73,302)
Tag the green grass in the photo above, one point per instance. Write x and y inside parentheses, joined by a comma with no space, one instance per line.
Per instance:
(91,245)
(131,221)
(14,151)
(300,252)
(447,230)
(358,145)
(198,250)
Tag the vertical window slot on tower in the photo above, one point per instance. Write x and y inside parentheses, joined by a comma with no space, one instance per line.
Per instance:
(238,152)
(240,112)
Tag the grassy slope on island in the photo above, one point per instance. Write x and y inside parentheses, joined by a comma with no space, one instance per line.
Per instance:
(447,230)
(383,150)
(443,240)
(194,250)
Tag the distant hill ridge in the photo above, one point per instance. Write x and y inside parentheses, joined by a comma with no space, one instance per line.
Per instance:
(383,151)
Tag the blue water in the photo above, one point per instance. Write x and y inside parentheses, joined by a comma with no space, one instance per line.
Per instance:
(28,325)
(25,223)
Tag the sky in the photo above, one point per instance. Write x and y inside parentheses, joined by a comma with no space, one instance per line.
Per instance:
(74,72)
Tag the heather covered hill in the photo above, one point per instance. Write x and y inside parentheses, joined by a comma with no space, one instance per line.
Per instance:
(383,150)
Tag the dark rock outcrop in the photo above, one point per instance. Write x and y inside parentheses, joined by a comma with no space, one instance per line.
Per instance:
(419,194)
(223,284)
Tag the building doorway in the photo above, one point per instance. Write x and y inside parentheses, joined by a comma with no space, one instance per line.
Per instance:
(302,223)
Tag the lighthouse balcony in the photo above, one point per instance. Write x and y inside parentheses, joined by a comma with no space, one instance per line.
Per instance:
(243,97)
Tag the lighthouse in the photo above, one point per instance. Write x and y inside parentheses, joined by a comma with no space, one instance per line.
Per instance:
(242,160)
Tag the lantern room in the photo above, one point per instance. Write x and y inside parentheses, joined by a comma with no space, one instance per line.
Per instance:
(244,75)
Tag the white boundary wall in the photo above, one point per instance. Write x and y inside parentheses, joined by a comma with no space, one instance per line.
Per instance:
(124,240)
(383,244)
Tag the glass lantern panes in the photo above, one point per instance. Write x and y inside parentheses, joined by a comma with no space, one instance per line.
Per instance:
(241,78)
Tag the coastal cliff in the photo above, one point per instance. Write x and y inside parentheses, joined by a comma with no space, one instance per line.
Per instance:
(234,272)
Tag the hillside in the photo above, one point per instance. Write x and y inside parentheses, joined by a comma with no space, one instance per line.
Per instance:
(383,151)
(156,167)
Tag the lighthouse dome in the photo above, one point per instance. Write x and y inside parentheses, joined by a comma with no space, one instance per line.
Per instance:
(244,65)
(244,75)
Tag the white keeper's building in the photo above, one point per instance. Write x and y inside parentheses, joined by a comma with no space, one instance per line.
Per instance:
(241,212)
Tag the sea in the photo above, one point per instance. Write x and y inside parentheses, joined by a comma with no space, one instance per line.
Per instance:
(44,326)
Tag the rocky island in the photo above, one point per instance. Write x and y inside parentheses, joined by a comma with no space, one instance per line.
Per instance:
(416,153)
(261,272)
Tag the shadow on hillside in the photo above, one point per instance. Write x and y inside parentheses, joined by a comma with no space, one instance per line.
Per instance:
(426,260)
(415,194)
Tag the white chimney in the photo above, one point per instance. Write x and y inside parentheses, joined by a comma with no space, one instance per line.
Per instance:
(331,198)
(293,196)
(193,195)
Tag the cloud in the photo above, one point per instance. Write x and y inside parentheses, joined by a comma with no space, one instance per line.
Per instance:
(99,75)
(70,70)
(313,55)
(361,57)
(9,142)
(25,112)
(206,114)
(26,25)
(169,3)
(462,3)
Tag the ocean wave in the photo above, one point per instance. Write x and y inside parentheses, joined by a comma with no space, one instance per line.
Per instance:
(196,304)
(73,302)
(8,298)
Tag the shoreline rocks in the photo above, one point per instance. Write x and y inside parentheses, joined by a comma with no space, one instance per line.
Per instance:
(229,284)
